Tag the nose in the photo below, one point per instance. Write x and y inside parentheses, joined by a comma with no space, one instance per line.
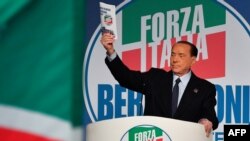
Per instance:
(175,58)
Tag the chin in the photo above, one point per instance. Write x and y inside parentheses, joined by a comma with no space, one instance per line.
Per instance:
(177,72)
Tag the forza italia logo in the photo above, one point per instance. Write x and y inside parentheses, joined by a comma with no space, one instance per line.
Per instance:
(156,29)
(145,133)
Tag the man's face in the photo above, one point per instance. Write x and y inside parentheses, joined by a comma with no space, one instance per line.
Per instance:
(181,59)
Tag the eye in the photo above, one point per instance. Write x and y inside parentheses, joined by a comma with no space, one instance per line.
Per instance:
(181,55)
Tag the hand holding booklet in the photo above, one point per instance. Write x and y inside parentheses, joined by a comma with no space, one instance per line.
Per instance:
(108,18)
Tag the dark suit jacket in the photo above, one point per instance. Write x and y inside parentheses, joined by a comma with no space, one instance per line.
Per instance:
(198,100)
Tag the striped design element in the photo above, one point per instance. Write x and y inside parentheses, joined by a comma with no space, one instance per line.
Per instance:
(20,124)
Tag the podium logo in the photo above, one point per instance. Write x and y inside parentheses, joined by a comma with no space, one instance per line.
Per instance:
(145,133)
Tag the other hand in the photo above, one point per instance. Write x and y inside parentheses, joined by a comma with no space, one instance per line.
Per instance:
(208,125)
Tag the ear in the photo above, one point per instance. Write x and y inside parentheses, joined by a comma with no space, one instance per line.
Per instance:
(193,60)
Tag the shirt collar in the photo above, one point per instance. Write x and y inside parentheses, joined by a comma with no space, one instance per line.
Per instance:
(184,79)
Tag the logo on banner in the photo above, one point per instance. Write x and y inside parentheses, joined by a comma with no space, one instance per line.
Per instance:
(145,133)
(156,32)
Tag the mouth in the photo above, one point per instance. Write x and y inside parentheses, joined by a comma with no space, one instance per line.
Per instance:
(174,66)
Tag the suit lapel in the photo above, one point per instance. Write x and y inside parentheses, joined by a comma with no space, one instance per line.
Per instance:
(167,85)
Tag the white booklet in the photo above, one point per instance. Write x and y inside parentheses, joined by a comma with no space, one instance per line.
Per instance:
(108,18)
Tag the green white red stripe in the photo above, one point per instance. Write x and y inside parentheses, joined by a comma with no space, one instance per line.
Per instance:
(17,123)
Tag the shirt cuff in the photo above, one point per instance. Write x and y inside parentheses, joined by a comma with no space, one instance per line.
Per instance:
(112,56)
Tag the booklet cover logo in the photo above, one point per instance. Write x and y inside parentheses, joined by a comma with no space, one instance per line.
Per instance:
(108,20)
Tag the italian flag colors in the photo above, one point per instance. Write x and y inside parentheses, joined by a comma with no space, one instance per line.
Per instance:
(20,124)
(41,55)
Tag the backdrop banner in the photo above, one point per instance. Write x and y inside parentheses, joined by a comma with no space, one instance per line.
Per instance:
(147,29)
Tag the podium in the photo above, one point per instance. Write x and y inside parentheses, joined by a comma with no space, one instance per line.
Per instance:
(145,128)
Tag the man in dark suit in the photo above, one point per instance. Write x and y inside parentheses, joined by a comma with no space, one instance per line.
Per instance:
(196,97)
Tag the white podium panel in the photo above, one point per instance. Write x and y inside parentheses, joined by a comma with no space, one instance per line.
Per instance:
(145,128)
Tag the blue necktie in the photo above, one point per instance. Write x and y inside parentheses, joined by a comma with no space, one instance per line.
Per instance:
(175,95)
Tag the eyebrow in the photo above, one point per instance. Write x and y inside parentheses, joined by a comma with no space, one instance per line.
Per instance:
(177,53)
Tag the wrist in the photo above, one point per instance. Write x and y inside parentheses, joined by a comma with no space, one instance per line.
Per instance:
(110,51)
